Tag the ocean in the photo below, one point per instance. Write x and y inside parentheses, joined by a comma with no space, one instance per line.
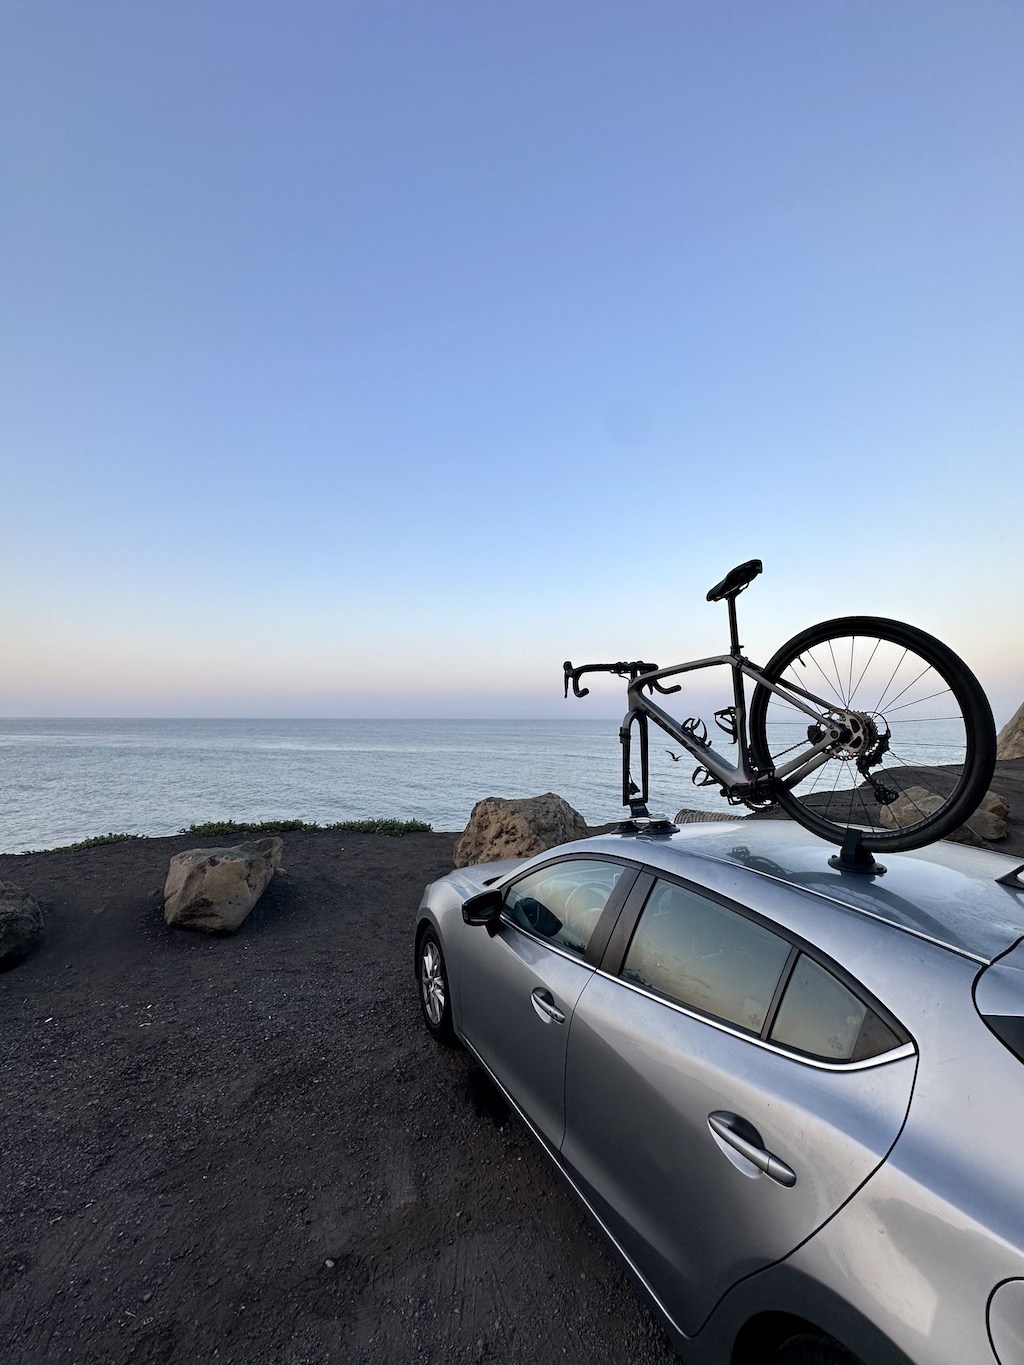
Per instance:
(66,780)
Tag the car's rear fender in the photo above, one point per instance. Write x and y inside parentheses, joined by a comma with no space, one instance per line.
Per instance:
(766,1309)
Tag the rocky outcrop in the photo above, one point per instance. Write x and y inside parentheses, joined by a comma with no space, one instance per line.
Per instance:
(1010,739)
(21,924)
(213,889)
(500,828)
(986,825)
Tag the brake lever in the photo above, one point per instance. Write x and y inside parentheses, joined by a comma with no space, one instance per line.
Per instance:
(620,669)
(573,674)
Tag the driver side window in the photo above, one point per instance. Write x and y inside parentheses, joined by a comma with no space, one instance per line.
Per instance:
(562,903)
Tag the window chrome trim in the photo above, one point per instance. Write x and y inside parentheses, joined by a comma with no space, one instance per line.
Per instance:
(772,926)
(578,958)
(820,1064)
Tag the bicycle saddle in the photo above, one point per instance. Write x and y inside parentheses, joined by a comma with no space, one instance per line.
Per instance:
(735,580)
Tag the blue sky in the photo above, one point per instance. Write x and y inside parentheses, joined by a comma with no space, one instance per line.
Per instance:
(373,358)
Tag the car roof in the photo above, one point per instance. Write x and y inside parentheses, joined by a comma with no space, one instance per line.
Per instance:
(946,893)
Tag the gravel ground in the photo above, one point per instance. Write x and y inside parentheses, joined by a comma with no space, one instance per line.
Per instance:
(249,1149)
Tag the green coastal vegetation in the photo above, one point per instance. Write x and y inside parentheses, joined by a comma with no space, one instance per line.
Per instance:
(390,828)
(393,828)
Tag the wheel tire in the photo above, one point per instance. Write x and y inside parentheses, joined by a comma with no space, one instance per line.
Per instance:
(808,1349)
(928,699)
(432,979)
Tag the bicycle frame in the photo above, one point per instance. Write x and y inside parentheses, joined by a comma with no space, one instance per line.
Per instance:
(741,783)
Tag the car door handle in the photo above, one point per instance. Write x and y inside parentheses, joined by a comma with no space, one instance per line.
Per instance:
(544,1004)
(726,1126)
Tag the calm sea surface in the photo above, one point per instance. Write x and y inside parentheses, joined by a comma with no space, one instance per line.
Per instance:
(65,780)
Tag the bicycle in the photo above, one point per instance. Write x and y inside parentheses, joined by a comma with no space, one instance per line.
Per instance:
(877,709)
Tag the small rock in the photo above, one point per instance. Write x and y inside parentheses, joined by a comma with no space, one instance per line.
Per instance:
(995,805)
(910,806)
(986,825)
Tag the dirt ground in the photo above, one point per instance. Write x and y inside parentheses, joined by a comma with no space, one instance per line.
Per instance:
(248,1149)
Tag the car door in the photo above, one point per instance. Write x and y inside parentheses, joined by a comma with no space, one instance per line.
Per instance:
(699,1122)
(518,989)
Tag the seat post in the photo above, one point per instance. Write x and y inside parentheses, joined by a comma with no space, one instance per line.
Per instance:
(734,641)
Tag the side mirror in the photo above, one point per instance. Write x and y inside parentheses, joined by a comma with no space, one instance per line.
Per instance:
(484,908)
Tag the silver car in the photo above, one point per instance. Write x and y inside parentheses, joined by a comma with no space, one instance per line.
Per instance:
(792,1096)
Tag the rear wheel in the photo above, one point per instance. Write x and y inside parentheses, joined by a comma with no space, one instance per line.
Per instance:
(435,998)
(918,745)
(808,1349)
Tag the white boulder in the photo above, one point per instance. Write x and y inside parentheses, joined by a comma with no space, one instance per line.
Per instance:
(213,889)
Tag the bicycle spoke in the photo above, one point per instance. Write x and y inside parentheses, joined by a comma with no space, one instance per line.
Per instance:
(912,715)
(866,667)
(899,663)
(839,692)
(867,810)
(918,701)
(827,680)
(927,669)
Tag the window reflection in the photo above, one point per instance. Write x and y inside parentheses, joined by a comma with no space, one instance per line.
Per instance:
(819,1016)
(702,955)
(563,903)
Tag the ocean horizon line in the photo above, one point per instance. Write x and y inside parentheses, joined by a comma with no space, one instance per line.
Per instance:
(320,720)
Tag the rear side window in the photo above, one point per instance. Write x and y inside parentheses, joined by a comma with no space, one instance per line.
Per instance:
(700,954)
(563,903)
(819,1016)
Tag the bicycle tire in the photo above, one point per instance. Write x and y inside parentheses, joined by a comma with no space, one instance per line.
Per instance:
(890,666)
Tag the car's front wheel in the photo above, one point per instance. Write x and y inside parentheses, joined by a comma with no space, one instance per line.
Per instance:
(809,1349)
(435,998)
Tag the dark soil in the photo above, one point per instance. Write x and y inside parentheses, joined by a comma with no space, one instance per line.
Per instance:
(248,1148)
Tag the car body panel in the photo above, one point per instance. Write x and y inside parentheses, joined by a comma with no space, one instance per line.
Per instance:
(906,1220)
(504,983)
(942,893)
(643,1078)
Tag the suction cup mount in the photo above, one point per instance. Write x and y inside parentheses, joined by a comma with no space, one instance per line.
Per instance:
(854,857)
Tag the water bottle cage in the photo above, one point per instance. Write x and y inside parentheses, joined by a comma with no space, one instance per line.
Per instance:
(726,720)
(697,730)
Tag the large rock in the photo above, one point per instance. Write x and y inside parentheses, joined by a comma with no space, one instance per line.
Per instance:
(986,825)
(1010,739)
(517,829)
(21,924)
(215,888)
